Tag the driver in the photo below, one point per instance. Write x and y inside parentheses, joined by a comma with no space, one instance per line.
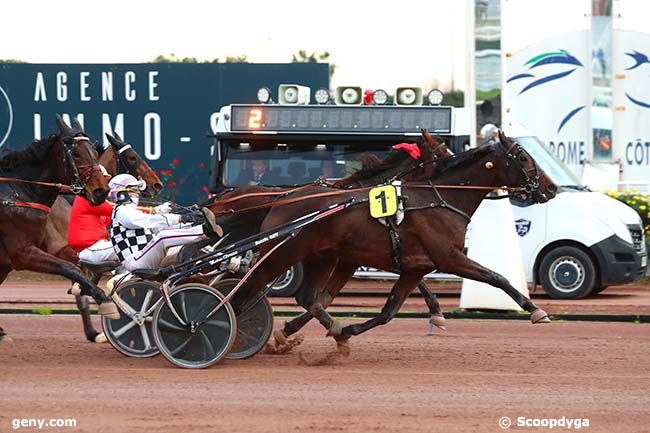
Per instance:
(141,240)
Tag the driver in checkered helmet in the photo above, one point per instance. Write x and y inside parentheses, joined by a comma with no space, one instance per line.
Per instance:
(141,240)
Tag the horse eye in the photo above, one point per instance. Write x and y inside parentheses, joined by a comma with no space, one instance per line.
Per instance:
(523,158)
(132,159)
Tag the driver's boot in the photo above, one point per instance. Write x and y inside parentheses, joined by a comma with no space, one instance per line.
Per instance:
(210,227)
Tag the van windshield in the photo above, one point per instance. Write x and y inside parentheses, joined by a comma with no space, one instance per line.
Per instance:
(292,163)
(547,161)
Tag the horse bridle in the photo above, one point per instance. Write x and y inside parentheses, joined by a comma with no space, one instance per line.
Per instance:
(81,174)
(531,182)
(123,163)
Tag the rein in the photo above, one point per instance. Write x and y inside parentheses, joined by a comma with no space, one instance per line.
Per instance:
(27,204)
(33,182)
(345,191)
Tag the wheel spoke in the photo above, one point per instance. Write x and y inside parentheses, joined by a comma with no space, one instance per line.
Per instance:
(149,312)
(169,327)
(182,345)
(181,298)
(246,334)
(145,302)
(123,305)
(145,337)
(124,328)
(208,349)
(223,324)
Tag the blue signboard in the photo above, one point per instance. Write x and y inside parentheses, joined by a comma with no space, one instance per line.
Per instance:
(165,110)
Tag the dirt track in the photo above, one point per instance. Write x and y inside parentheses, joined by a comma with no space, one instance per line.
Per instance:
(397,379)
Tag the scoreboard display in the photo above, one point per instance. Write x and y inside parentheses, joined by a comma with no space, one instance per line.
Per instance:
(333,119)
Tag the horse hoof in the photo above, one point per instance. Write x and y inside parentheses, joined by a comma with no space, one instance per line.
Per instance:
(438,321)
(280,337)
(109,309)
(75,290)
(539,316)
(343,345)
(335,329)
(100,338)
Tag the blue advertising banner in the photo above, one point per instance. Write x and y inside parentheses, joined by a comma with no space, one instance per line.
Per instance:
(165,110)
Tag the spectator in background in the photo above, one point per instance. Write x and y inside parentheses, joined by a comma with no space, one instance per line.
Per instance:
(257,176)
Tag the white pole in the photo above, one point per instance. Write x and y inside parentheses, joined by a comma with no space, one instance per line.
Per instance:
(470,77)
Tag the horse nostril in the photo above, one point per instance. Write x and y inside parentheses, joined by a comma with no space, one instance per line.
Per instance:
(157,187)
(100,192)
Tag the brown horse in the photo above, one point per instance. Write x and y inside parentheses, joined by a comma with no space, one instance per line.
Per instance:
(432,234)
(118,157)
(375,171)
(32,179)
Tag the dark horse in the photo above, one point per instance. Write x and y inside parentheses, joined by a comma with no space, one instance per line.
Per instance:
(432,233)
(397,164)
(119,157)
(31,183)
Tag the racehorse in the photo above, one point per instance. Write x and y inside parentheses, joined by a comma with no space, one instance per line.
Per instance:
(118,157)
(31,180)
(432,233)
(375,171)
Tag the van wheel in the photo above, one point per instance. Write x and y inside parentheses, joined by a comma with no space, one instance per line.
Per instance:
(567,273)
(288,284)
(598,289)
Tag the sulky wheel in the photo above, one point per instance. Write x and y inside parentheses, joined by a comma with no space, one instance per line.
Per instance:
(132,334)
(201,341)
(254,325)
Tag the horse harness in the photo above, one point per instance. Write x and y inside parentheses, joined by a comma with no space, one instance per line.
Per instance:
(81,177)
(123,164)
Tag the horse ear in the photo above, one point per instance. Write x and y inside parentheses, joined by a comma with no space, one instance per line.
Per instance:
(117,136)
(502,137)
(77,125)
(63,127)
(112,140)
(427,137)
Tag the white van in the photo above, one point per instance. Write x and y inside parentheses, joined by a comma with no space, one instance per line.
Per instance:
(581,241)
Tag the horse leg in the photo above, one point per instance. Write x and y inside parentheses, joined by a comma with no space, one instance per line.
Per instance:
(341,275)
(313,297)
(34,259)
(465,267)
(84,310)
(435,312)
(398,294)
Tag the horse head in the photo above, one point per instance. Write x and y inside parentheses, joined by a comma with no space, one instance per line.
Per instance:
(436,144)
(124,159)
(80,166)
(520,169)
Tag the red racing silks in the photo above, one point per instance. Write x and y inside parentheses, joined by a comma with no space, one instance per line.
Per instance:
(411,148)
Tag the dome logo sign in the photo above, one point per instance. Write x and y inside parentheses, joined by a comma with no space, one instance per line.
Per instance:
(6,116)
(640,59)
(562,63)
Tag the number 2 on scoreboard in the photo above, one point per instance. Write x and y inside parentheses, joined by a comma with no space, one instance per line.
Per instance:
(255,118)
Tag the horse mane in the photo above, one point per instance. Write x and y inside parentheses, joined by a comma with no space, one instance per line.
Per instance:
(460,159)
(33,154)
(373,166)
